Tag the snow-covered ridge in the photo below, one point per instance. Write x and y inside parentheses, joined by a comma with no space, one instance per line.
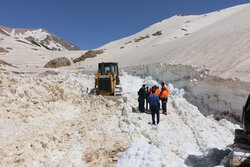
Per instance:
(39,37)
(217,41)
(38,34)
(175,27)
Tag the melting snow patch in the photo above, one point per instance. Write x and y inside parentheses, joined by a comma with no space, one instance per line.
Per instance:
(141,153)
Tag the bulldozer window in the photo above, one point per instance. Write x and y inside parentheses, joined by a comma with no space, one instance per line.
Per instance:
(107,70)
(113,69)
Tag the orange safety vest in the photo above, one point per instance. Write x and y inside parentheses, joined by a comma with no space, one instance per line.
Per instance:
(165,92)
(157,92)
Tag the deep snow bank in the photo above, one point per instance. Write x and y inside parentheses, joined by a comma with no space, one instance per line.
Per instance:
(48,120)
(208,92)
(184,137)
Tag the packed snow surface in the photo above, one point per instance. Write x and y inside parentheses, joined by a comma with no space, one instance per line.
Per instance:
(48,119)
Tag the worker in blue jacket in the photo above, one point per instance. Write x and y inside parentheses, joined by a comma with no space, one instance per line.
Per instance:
(154,103)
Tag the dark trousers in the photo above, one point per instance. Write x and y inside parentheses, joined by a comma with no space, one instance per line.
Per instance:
(141,101)
(155,111)
(164,105)
(146,103)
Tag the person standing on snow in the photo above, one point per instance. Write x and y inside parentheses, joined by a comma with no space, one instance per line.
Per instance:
(164,97)
(141,99)
(154,103)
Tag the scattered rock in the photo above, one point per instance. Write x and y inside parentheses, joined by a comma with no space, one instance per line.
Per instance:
(141,38)
(3,50)
(18,40)
(128,42)
(88,54)
(32,40)
(158,33)
(58,62)
(6,64)
(182,15)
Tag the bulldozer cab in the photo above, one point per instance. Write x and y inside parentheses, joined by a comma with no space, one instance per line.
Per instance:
(109,68)
(106,68)
(107,79)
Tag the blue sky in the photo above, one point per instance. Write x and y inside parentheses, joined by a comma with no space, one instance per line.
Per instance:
(92,23)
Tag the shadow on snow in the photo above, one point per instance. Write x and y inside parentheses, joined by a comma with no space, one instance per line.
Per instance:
(212,158)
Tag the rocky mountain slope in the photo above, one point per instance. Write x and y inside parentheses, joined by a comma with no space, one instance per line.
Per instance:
(39,37)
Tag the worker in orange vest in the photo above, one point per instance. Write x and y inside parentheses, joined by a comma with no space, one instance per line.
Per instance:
(157,91)
(164,97)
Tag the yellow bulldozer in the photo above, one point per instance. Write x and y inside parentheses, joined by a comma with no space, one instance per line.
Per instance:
(107,81)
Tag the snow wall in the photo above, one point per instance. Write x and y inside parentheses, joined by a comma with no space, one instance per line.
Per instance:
(209,93)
